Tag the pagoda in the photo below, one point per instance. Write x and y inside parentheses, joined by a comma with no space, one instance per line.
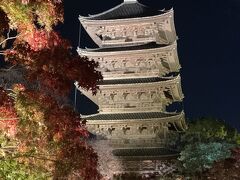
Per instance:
(138,58)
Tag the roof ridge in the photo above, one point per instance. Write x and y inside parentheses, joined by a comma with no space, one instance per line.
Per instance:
(107,11)
(127,9)
(130,1)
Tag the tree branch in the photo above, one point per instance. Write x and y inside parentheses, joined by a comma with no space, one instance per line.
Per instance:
(9,38)
(9,69)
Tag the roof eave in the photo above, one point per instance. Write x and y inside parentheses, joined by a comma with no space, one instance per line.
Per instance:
(90,52)
(88,18)
(171,115)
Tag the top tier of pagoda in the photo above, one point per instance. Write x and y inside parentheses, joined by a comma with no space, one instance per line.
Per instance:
(130,23)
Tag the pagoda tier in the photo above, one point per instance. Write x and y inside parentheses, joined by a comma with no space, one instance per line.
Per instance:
(137,95)
(130,23)
(150,60)
(135,126)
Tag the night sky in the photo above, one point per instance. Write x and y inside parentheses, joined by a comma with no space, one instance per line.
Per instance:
(208,48)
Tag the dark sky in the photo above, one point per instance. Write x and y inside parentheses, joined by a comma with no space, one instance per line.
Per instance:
(208,47)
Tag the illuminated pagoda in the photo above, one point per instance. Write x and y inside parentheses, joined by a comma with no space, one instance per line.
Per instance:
(138,58)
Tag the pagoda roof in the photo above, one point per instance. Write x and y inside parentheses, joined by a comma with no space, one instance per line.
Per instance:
(132,9)
(152,45)
(135,80)
(137,115)
(153,151)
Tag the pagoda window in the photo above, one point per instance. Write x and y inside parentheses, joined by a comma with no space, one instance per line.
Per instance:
(113,63)
(150,62)
(125,95)
(171,127)
(112,96)
(168,95)
(143,96)
(111,129)
(139,95)
(124,32)
(125,129)
(128,96)
(155,129)
(153,95)
(147,32)
(124,62)
(127,64)
(138,62)
(161,133)
(142,64)
(142,128)
(113,34)
(117,64)
(135,32)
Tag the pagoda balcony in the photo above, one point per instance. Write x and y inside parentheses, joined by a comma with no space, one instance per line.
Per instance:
(127,107)
(127,41)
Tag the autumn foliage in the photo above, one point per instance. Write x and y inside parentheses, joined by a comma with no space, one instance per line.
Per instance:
(6,105)
(51,137)
(8,115)
(55,67)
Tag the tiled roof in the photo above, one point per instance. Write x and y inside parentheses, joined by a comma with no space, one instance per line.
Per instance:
(127,48)
(133,81)
(126,10)
(122,116)
(143,152)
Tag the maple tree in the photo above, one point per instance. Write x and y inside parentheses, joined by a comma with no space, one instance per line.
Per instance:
(53,136)
(50,72)
(51,139)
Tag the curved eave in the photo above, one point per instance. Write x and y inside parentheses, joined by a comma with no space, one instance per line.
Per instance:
(92,53)
(168,117)
(102,13)
(177,119)
(86,20)
(144,152)
(123,11)
(166,82)
(148,157)
(181,125)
